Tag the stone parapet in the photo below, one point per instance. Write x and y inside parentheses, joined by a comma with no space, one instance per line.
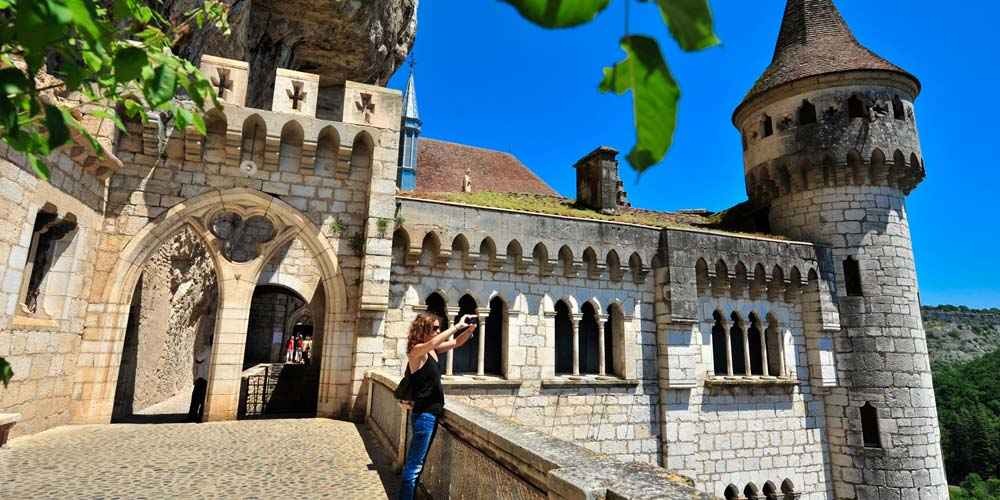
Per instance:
(479,455)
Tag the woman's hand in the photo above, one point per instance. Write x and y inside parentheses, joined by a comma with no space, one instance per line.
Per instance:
(406,405)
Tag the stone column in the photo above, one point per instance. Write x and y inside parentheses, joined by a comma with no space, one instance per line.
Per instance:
(763,348)
(575,323)
(601,368)
(729,350)
(229,341)
(746,350)
(481,340)
(450,363)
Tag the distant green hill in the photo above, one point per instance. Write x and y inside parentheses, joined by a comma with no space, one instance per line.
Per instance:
(958,333)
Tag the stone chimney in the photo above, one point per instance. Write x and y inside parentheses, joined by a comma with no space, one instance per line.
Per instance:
(598,186)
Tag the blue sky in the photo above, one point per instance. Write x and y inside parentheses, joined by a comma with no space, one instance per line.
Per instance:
(488,78)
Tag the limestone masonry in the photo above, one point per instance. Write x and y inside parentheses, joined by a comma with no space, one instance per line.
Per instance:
(772,351)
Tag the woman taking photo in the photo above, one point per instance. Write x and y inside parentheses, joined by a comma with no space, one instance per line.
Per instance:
(426,341)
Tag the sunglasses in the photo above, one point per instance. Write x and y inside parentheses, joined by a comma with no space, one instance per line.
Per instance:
(436,327)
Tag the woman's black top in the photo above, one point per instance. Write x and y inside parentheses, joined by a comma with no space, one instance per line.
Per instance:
(428,395)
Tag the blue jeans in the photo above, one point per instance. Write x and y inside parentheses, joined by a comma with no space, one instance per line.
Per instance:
(424,427)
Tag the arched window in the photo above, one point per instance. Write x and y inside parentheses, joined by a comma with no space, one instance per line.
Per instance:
(290,152)
(435,304)
(732,493)
(614,335)
(361,152)
(47,252)
(590,263)
(566,261)
(400,246)
(253,141)
(564,339)
(852,277)
(496,327)
(767,126)
(589,350)
(720,345)
(750,492)
(775,348)
(514,256)
(635,266)
(807,113)
(770,492)
(898,111)
(327,149)
(466,358)
(756,344)
(869,426)
(737,346)
(488,254)
(214,148)
(855,108)
(614,265)
(788,490)
(430,248)
(541,257)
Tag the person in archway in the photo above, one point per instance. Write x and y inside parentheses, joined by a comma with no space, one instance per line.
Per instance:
(426,341)
(202,361)
(290,349)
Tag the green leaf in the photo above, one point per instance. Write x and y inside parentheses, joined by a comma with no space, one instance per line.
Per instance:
(655,95)
(6,372)
(199,123)
(162,87)
(13,82)
(558,13)
(129,62)
(83,15)
(690,23)
(40,168)
(93,61)
(55,124)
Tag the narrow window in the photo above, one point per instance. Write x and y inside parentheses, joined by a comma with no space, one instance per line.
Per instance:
(564,339)
(807,113)
(614,332)
(589,357)
(869,426)
(737,346)
(852,277)
(496,327)
(732,493)
(770,492)
(755,344)
(788,490)
(775,348)
(898,111)
(467,356)
(767,126)
(720,349)
(48,230)
(855,108)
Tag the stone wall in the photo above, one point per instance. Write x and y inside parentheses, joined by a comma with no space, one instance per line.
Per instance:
(174,319)
(615,414)
(44,347)
(477,454)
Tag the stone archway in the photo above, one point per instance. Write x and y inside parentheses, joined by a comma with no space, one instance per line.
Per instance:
(95,382)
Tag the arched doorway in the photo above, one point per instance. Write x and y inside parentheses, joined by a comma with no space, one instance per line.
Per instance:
(164,367)
(281,360)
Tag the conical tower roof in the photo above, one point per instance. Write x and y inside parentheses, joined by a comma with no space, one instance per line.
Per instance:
(815,40)
(410,99)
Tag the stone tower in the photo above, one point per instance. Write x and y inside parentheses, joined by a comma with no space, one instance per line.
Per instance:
(409,135)
(831,148)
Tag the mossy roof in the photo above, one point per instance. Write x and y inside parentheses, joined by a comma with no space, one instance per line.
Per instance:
(565,207)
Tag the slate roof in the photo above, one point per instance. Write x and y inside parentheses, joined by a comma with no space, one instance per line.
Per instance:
(441,168)
(815,40)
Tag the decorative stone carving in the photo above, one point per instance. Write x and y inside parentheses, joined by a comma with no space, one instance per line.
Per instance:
(240,238)
(228,76)
(295,92)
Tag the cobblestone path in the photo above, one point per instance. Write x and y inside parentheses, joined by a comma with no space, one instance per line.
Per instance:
(263,459)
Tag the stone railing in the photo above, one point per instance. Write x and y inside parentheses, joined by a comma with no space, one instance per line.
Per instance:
(476,454)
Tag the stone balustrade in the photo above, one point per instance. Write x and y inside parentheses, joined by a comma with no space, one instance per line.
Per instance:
(476,454)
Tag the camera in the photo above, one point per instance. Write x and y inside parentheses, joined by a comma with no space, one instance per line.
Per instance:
(471,320)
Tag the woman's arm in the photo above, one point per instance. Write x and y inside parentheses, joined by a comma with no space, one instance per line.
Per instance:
(459,341)
(434,343)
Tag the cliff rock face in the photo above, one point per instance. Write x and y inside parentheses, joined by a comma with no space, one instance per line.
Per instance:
(359,40)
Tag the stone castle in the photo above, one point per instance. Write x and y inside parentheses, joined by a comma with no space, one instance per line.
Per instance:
(774,350)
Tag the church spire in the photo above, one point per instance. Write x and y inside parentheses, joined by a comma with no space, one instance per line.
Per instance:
(814,40)
(409,135)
